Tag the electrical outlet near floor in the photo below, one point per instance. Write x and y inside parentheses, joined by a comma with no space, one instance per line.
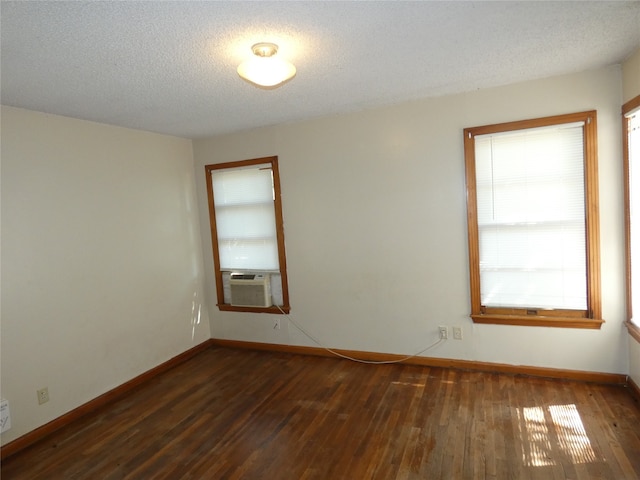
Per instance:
(5,416)
(444,332)
(457,333)
(43,395)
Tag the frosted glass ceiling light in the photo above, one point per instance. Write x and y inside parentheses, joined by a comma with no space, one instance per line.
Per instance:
(264,69)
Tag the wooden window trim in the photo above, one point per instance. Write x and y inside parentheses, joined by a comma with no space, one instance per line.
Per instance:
(285,307)
(632,104)
(633,330)
(590,318)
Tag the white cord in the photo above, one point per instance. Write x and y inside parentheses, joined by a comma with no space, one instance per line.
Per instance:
(338,354)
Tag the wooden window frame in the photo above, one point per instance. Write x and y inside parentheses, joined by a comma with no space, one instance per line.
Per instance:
(629,106)
(273,161)
(591,318)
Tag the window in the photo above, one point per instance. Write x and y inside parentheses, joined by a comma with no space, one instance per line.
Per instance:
(247,231)
(631,160)
(532,213)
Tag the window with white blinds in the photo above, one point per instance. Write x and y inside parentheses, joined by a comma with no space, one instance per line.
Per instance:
(632,164)
(533,222)
(245,218)
(531,217)
(247,231)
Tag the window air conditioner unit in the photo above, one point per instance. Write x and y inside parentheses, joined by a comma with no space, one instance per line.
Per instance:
(250,290)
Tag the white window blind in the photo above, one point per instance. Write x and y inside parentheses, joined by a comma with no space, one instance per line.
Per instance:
(245,218)
(531,218)
(633,138)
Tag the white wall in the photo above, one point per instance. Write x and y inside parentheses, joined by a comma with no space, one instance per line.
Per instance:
(631,77)
(101,260)
(631,88)
(375,226)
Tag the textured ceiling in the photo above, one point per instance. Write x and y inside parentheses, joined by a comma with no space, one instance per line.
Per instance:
(170,67)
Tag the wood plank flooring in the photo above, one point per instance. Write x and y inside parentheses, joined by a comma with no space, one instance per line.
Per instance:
(240,414)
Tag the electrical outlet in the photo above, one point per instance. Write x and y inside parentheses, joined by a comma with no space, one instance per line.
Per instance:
(43,395)
(5,416)
(457,333)
(444,333)
(276,324)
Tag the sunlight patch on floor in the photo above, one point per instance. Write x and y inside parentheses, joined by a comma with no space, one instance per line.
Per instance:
(548,431)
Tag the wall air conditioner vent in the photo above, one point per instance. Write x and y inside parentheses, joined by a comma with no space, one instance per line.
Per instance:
(250,290)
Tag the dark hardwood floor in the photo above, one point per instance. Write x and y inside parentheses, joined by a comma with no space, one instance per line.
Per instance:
(240,414)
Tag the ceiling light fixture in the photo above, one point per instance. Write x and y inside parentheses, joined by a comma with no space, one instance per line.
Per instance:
(264,69)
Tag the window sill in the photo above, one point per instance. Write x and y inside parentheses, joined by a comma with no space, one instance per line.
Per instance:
(538,321)
(225,307)
(634,331)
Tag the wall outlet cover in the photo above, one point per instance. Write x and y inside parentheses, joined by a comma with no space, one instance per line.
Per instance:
(457,333)
(43,395)
(5,416)
(444,332)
